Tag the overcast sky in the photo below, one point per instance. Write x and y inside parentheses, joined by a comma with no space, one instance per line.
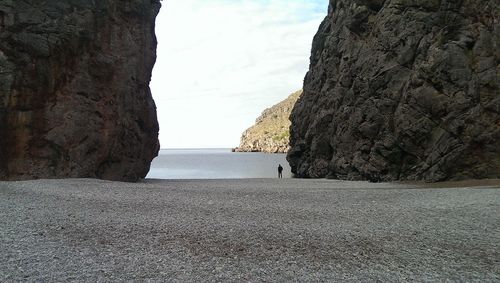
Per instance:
(222,62)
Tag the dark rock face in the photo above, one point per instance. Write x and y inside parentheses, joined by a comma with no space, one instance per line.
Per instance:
(401,90)
(74,89)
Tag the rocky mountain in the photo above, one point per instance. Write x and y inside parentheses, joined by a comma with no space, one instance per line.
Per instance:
(74,89)
(271,130)
(401,90)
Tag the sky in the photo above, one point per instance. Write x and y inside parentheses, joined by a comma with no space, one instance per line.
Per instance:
(220,63)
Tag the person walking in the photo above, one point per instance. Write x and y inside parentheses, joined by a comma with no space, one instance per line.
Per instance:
(280,171)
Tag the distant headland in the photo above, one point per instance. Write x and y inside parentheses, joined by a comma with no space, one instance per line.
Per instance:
(271,132)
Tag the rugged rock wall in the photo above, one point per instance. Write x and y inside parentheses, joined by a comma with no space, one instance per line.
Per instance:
(271,130)
(74,89)
(401,90)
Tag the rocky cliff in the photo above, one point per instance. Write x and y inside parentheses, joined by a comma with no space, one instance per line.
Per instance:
(401,90)
(271,130)
(74,89)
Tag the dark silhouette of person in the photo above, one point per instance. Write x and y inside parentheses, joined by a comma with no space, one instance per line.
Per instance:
(280,171)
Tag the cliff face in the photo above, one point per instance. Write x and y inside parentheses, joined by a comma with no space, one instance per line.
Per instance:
(271,130)
(74,89)
(401,90)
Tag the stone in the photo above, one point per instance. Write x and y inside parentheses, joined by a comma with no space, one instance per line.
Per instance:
(74,89)
(271,130)
(401,90)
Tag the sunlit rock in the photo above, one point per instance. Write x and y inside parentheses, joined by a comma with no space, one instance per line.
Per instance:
(271,132)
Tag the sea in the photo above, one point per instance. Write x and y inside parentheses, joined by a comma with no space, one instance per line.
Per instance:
(216,164)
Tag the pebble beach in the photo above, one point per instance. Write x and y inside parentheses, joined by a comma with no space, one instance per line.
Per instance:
(248,230)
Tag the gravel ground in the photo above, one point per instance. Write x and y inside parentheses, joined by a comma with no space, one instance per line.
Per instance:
(250,230)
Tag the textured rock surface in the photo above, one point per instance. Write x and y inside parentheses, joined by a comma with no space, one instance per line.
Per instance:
(271,130)
(401,90)
(74,89)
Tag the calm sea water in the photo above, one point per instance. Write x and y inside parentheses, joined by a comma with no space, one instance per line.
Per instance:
(216,164)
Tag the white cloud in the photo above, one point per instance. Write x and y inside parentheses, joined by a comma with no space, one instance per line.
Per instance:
(222,62)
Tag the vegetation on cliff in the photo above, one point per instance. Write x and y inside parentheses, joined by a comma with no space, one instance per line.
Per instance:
(271,130)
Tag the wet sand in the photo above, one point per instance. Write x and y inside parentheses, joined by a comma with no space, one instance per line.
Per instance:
(248,230)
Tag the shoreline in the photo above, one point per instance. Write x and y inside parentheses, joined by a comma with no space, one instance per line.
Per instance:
(416,184)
